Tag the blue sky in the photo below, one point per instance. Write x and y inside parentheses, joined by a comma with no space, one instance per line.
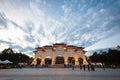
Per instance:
(27,24)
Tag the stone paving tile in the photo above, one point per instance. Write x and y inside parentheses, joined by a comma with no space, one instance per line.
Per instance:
(58,74)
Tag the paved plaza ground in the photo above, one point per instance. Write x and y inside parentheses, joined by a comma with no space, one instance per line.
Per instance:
(58,74)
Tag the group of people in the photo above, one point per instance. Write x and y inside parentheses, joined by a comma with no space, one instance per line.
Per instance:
(85,67)
(89,67)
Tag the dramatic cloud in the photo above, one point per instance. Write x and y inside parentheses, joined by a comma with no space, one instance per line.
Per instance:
(92,24)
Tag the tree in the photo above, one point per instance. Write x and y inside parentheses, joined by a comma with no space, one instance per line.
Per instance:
(95,57)
(110,57)
(8,51)
(114,56)
(9,54)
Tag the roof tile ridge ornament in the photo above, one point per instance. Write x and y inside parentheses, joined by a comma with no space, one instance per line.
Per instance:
(59,44)
(40,48)
(48,46)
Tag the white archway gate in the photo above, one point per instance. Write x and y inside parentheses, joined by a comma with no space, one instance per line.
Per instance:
(60,49)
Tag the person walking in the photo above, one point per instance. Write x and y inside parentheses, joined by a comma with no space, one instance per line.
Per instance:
(92,67)
(80,66)
(103,66)
(84,66)
(73,67)
(88,66)
(73,64)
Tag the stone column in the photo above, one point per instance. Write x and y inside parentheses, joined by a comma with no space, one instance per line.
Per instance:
(35,58)
(34,62)
(76,61)
(66,61)
(85,61)
(53,61)
(42,61)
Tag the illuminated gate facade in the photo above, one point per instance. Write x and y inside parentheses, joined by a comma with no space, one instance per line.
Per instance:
(59,50)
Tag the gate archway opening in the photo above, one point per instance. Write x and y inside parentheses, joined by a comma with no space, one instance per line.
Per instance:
(70,60)
(59,60)
(38,61)
(48,60)
(80,60)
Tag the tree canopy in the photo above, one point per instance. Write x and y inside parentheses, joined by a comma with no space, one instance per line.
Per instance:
(15,57)
(108,57)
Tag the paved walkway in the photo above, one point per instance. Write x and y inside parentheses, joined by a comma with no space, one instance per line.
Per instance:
(58,74)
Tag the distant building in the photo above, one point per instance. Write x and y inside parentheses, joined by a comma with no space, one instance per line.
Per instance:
(59,53)
(118,47)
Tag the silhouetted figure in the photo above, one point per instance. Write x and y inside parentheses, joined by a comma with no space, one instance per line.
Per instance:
(103,66)
(68,65)
(80,66)
(88,66)
(84,67)
(73,64)
(65,65)
(92,68)
(72,67)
